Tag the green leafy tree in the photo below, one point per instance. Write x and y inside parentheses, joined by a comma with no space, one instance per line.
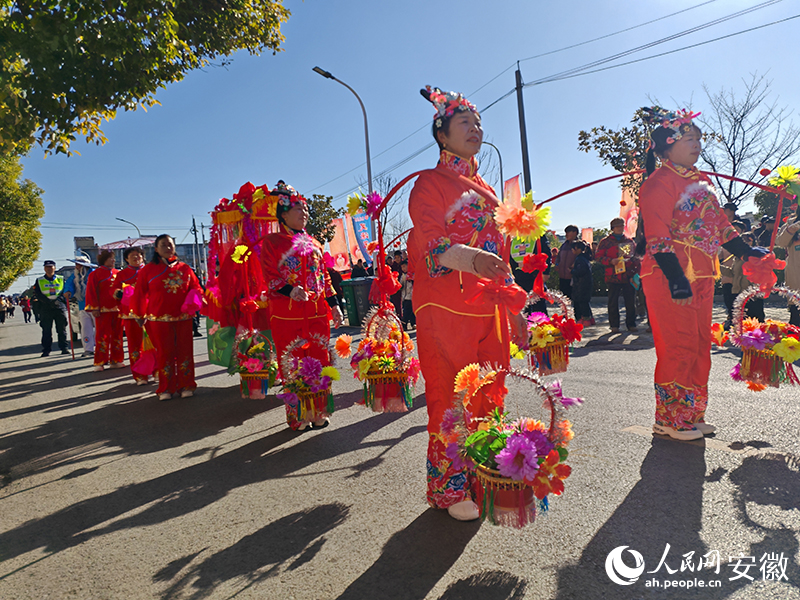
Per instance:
(67,66)
(321,214)
(625,149)
(21,208)
(598,233)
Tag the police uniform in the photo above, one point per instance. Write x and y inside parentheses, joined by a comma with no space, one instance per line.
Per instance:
(52,309)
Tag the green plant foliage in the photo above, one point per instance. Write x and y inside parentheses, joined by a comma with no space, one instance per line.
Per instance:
(21,208)
(67,66)
(321,214)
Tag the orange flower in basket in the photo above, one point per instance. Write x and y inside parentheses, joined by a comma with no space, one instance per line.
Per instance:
(756,387)
(718,334)
(750,324)
(343,345)
(467,378)
(527,424)
(551,475)
(563,431)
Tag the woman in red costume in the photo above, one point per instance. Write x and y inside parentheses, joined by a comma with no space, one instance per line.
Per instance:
(101,303)
(125,279)
(684,227)
(302,299)
(456,246)
(167,295)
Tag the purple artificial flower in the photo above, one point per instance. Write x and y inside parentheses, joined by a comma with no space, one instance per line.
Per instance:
(519,460)
(321,385)
(373,201)
(459,462)
(451,417)
(537,318)
(310,369)
(735,373)
(539,439)
(395,351)
(288,398)
(755,339)
(555,390)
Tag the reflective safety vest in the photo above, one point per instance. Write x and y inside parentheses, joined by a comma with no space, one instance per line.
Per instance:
(51,289)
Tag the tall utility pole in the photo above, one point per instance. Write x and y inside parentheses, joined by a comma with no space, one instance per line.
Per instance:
(204,252)
(194,248)
(523,135)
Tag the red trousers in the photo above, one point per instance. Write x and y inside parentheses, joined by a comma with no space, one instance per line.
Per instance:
(447,343)
(290,320)
(174,346)
(108,339)
(134,334)
(682,336)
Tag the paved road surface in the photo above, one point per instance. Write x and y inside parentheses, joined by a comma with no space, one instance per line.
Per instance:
(109,494)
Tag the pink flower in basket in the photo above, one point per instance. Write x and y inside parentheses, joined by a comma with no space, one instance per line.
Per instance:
(519,460)
(252,365)
(755,339)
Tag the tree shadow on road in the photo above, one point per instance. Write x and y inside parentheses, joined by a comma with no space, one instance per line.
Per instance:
(258,556)
(664,507)
(414,559)
(192,488)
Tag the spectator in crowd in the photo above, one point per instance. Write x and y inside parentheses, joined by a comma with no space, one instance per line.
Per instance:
(582,283)
(565,259)
(75,286)
(4,304)
(730,211)
(763,233)
(789,238)
(726,262)
(336,282)
(407,289)
(358,270)
(397,298)
(10,306)
(52,306)
(25,304)
(616,252)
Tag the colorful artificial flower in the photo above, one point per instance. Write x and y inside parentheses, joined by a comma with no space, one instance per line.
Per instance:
(386,364)
(541,336)
(303,244)
(240,254)
(252,365)
(761,270)
(551,475)
(331,373)
(413,370)
(788,349)
(755,339)
(519,460)
(460,460)
(756,387)
(534,262)
(786,175)
(450,420)
(363,367)
(342,346)
(373,203)
(516,221)
(310,368)
(555,390)
(467,377)
(353,204)
(718,334)
(750,323)
(537,318)
(255,348)
(516,352)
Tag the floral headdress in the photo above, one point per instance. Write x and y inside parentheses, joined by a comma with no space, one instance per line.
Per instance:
(446,103)
(679,122)
(287,196)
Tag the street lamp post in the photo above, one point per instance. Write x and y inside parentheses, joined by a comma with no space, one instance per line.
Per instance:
(500,158)
(129,223)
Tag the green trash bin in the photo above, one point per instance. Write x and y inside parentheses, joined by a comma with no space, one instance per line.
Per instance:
(356,297)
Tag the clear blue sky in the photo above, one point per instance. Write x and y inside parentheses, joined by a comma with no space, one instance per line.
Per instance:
(265,118)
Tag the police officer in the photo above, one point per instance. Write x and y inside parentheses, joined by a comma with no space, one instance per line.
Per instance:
(49,293)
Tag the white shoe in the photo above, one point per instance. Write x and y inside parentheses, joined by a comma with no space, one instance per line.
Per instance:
(165,396)
(302,427)
(141,382)
(705,428)
(464,511)
(117,365)
(688,434)
(98,368)
(322,423)
(187,394)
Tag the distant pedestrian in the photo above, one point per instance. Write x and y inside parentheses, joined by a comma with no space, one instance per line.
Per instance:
(565,259)
(358,270)
(10,307)
(582,283)
(616,252)
(52,305)
(407,289)
(4,304)
(25,305)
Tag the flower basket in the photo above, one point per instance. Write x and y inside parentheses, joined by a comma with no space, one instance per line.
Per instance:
(519,463)
(769,348)
(383,361)
(255,363)
(549,338)
(307,391)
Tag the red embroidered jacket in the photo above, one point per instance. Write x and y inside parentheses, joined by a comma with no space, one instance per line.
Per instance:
(99,295)
(446,211)
(161,290)
(124,278)
(295,260)
(682,214)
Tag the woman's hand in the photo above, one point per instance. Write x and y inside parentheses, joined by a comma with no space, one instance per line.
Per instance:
(298,294)
(519,330)
(338,317)
(490,266)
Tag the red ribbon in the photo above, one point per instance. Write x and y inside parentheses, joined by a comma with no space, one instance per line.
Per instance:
(511,296)
(536,263)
